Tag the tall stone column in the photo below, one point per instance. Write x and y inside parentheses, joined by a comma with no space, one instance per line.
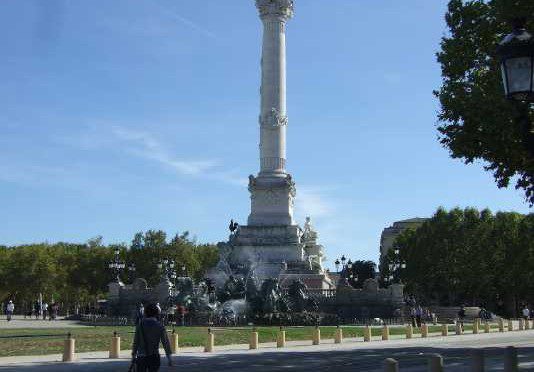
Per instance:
(273,190)
(273,115)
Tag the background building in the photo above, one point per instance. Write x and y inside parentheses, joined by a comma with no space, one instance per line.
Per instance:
(389,234)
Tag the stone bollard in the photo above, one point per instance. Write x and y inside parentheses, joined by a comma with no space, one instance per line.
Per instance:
(477,360)
(424,330)
(367,334)
(391,365)
(500,322)
(281,338)
(476,326)
(458,329)
(510,325)
(210,342)
(510,359)
(521,324)
(254,339)
(487,327)
(435,363)
(316,336)
(174,342)
(445,329)
(339,335)
(115,350)
(68,350)
(385,333)
(409,331)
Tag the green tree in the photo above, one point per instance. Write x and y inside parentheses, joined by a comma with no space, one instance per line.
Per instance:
(476,121)
(361,271)
(471,257)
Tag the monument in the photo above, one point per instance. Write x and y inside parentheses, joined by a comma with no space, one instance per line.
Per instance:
(272,244)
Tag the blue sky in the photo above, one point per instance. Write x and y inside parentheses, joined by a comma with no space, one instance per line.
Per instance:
(125,115)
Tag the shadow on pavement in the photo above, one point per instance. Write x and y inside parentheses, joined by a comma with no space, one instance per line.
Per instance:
(410,359)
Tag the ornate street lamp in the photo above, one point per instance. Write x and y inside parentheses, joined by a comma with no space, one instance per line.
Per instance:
(517,62)
(516,51)
(337,265)
(166,267)
(117,265)
(343,259)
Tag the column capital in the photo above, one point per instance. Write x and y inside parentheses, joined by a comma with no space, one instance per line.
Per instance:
(275,9)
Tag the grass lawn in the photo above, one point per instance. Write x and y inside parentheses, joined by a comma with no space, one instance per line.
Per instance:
(29,341)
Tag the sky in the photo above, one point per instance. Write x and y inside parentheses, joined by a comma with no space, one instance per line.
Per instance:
(127,115)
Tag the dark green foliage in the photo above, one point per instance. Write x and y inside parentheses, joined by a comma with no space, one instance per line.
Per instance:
(79,273)
(361,271)
(476,121)
(471,257)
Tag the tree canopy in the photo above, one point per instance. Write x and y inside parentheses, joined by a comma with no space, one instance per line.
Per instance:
(471,257)
(78,273)
(476,121)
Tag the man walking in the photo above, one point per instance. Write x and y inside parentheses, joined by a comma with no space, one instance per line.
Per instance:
(45,310)
(9,310)
(461,316)
(526,313)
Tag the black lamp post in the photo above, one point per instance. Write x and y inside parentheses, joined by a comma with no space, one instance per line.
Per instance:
(395,268)
(116,265)
(167,269)
(517,67)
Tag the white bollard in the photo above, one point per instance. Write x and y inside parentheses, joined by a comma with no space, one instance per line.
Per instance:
(367,334)
(68,350)
(115,350)
(339,335)
(385,333)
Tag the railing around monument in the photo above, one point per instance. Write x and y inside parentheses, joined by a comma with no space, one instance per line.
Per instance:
(317,292)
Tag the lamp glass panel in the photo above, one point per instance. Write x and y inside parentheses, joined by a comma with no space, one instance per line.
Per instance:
(519,74)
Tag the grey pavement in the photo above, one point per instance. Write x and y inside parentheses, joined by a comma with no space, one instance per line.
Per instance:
(352,355)
(20,322)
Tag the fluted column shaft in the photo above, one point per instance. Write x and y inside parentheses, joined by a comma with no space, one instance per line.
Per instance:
(273,119)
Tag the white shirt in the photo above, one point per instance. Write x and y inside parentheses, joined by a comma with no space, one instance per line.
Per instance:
(526,312)
(10,307)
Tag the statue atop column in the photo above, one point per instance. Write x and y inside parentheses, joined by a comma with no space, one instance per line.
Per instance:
(277,8)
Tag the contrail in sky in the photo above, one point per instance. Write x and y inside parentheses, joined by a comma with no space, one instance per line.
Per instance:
(192,25)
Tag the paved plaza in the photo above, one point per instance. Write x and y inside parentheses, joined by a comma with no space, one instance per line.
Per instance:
(301,356)
(21,322)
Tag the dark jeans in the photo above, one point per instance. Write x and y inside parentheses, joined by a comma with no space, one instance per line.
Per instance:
(148,364)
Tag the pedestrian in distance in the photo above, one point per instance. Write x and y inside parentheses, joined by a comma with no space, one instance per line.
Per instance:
(9,310)
(148,335)
(526,313)
(461,316)
(45,310)
(37,309)
(418,315)
(54,309)
(140,313)
(413,316)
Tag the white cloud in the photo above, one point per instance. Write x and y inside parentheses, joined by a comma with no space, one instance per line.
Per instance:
(145,145)
(311,201)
